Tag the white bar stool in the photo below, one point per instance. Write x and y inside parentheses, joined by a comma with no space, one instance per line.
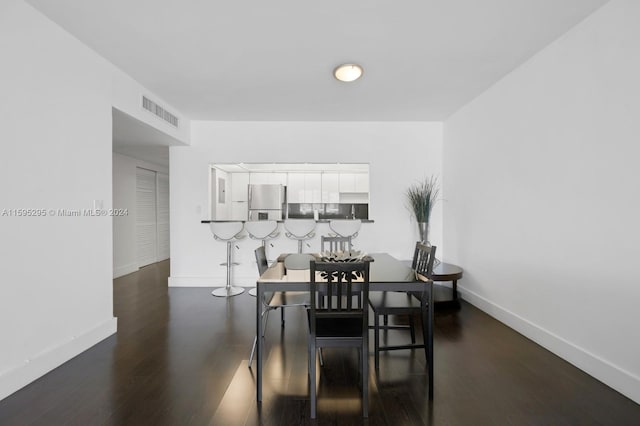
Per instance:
(228,232)
(300,229)
(346,228)
(261,230)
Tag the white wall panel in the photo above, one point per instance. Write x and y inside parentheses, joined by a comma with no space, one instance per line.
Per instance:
(541,183)
(56,271)
(163,216)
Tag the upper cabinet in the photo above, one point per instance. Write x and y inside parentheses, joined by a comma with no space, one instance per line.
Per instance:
(295,188)
(330,188)
(307,183)
(354,182)
(304,188)
(362,182)
(312,188)
(267,178)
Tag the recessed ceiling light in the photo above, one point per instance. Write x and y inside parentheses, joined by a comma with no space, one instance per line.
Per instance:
(348,72)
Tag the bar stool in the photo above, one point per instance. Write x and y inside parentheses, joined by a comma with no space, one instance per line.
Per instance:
(228,232)
(300,229)
(261,230)
(348,228)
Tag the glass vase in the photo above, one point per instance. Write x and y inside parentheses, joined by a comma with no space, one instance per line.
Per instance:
(423,231)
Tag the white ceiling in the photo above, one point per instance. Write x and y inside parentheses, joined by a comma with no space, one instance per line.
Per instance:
(273,60)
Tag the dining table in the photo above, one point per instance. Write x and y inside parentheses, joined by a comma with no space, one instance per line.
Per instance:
(386,274)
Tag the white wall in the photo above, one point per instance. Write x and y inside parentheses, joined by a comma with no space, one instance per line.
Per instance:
(541,178)
(124,197)
(124,227)
(56,154)
(56,135)
(399,154)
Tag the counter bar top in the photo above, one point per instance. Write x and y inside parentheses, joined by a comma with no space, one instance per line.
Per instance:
(282,220)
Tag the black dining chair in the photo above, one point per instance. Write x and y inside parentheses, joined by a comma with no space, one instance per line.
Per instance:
(277,300)
(339,322)
(333,244)
(387,303)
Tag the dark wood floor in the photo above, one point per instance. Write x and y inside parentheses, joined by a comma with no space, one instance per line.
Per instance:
(180,358)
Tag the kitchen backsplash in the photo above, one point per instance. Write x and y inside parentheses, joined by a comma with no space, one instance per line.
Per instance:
(328,211)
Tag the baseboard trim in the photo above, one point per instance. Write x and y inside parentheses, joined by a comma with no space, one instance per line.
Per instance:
(613,376)
(36,367)
(211,281)
(120,271)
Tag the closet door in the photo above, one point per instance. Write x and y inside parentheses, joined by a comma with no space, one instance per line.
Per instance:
(163,216)
(146,220)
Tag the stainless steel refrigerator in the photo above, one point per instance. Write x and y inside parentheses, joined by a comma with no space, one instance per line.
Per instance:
(267,202)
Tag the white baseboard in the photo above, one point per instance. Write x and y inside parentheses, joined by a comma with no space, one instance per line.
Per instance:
(36,367)
(211,281)
(613,376)
(120,271)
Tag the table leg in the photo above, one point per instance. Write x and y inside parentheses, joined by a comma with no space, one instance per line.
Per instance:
(455,289)
(259,298)
(427,330)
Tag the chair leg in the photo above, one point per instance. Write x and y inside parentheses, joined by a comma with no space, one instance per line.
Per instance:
(253,351)
(386,320)
(365,381)
(312,378)
(376,341)
(320,357)
(428,348)
(282,317)
(265,317)
(412,329)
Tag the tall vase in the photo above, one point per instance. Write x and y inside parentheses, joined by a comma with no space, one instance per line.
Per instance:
(423,230)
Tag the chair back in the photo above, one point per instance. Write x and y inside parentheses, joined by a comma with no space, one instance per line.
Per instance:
(334,244)
(297,261)
(343,281)
(345,227)
(261,229)
(226,231)
(299,228)
(261,260)
(423,258)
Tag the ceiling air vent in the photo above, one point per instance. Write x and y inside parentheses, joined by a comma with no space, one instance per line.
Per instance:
(156,109)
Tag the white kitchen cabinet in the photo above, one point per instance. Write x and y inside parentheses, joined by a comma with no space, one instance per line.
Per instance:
(304,188)
(259,178)
(295,188)
(362,182)
(354,182)
(262,178)
(347,182)
(330,187)
(312,187)
(278,178)
(239,186)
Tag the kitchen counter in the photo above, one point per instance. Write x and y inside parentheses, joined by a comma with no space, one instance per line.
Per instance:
(282,220)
